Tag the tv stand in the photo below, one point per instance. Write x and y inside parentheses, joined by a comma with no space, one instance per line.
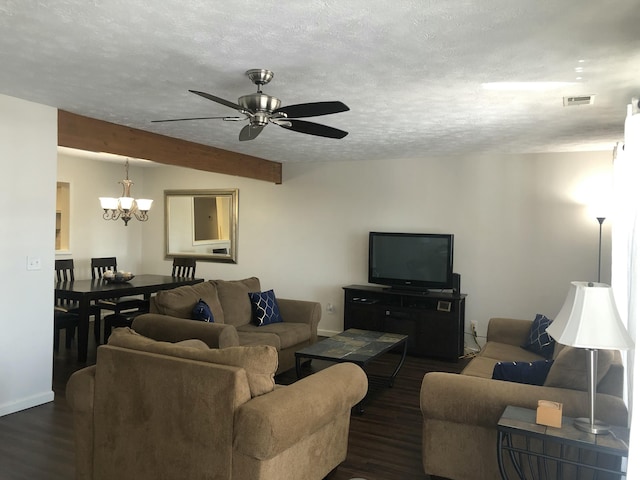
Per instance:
(415,291)
(434,321)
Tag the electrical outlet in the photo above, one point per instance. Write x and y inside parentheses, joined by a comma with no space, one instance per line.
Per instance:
(474,328)
(331,308)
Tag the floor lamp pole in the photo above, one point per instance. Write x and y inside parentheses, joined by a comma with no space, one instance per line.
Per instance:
(600,221)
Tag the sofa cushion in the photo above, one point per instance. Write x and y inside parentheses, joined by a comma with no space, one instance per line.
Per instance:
(493,352)
(179,302)
(259,362)
(234,298)
(539,341)
(254,337)
(202,312)
(532,373)
(289,333)
(569,370)
(264,308)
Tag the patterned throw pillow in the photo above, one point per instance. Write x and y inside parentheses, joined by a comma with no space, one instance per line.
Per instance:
(539,341)
(532,373)
(265,308)
(202,312)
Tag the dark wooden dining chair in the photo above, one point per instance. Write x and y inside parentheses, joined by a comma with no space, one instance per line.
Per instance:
(118,306)
(64,270)
(65,312)
(67,321)
(183,267)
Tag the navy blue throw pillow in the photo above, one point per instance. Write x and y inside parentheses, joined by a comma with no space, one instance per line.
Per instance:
(539,341)
(533,373)
(265,308)
(202,312)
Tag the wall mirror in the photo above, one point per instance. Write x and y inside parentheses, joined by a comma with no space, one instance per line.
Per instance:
(202,224)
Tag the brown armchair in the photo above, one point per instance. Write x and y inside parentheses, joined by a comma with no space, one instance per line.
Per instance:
(158,410)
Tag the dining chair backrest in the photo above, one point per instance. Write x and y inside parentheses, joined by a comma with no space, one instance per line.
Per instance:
(183,267)
(64,273)
(101,265)
(64,270)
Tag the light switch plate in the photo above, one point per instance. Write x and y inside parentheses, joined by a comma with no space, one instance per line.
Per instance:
(34,263)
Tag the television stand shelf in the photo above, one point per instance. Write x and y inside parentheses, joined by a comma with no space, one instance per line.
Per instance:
(433,321)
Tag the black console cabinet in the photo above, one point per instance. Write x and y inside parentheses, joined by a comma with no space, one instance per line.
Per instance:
(434,322)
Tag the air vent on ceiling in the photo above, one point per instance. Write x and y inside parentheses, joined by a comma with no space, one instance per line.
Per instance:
(579,100)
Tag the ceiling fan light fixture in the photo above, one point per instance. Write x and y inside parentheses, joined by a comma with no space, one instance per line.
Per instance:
(259,119)
(259,102)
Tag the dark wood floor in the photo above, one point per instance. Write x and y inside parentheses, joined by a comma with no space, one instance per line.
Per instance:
(384,442)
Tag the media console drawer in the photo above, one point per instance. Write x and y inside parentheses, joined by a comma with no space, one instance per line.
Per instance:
(434,322)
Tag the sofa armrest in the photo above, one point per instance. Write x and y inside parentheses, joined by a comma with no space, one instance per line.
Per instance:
(480,401)
(508,330)
(172,329)
(271,423)
(79,394)
(301,311)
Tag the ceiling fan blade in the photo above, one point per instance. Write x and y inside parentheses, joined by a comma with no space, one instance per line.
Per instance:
(314,109)
(222,101)
(226,119)
(312,128)
(249,132)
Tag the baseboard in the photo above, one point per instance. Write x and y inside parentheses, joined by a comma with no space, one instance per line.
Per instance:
(25,403)
(328,333)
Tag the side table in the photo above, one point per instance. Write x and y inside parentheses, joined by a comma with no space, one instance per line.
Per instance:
(540,452)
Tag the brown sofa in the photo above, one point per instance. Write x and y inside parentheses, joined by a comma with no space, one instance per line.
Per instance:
(460,412)
(157,410)
(233,325)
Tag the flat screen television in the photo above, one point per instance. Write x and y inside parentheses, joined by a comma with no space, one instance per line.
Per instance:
(417,261)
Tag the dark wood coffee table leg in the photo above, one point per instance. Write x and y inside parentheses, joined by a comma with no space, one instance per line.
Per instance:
(400,363)
(298,369)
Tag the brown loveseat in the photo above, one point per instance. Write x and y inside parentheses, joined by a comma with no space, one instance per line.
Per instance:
(157,410)
(460,412)
(233,325)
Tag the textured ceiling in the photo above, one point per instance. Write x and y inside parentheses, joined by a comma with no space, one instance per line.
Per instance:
(411,71)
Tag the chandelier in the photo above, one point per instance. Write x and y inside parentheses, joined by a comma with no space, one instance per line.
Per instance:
(126,206)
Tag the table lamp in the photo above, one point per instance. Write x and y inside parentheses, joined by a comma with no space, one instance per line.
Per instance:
(589,319)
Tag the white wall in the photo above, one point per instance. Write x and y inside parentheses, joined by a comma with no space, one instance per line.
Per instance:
(28,139)
(90,235)
(521,233)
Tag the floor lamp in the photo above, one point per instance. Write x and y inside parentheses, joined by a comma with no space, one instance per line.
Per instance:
(589,319)
(600,221)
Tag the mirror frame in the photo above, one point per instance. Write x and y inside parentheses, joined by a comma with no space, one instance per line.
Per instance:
(232,255)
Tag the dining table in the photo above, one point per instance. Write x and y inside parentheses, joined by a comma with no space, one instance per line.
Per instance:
(84,292)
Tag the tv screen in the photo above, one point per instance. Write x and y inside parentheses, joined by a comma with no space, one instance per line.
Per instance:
(420,261)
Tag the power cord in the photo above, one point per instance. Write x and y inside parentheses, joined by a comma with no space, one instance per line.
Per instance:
(472,351)
(474,334)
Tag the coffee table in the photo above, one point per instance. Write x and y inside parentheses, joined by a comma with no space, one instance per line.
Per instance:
(356,346)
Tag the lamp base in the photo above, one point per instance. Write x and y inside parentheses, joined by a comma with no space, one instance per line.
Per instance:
(597,427)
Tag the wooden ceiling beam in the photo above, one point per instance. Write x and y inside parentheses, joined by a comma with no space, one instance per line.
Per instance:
(84,133)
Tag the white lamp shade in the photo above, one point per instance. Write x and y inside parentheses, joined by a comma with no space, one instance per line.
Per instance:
(126,202)
(109,203)
(589,319)
(144,204)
